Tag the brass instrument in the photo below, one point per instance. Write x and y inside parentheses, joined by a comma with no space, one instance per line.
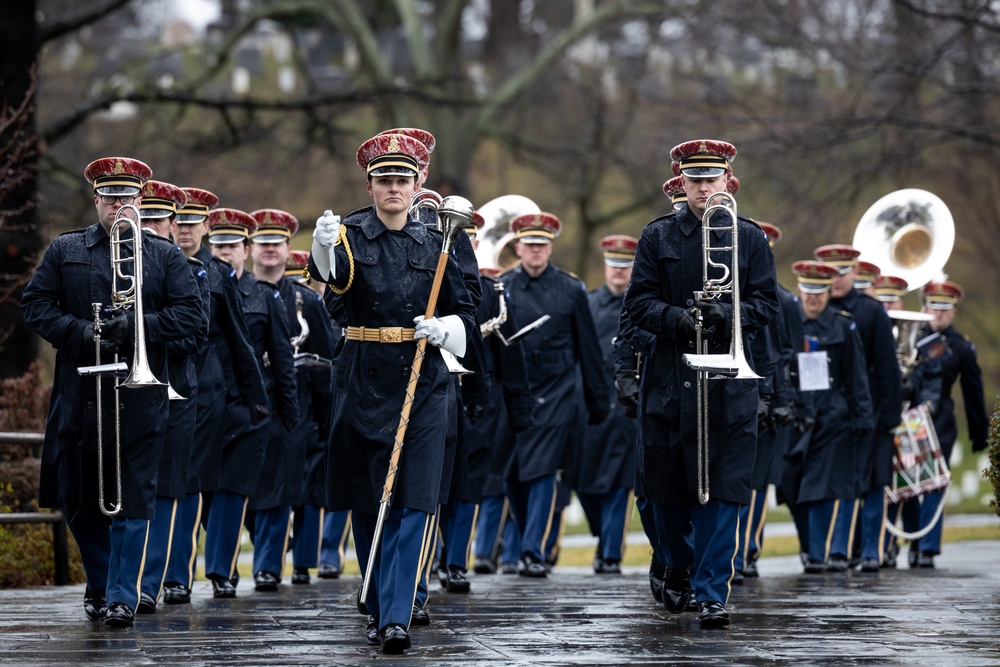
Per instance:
(493,324)
(140,374)
(305,359)
(496,242)
(717,366)
(454,213)
(906,326)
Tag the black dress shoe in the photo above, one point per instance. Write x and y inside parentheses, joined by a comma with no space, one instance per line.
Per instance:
(300,575)
(532,567)
(485,566)
(713,615)
(815,567)
(889,561)
(119,615)
(371,632)
(676,590)
(419,616)
(925,559)
(222,587)
(657,570)
(235,579)
(751,571)
(442,574)
(362,607)
(94,604)
(395,639)
(327,571)
(853,563)
(457,582)
(913,557)
(265,582)
(869,565)
(837,564)
(609,567)
(147,605)
(737,579)
(174,593)
(509,568)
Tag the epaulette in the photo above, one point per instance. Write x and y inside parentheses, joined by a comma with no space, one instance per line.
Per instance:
(304,286)
(195,261)
(150,234)
(74,231)
(845,313)
(268,283)
(354,218)
(570,274)
(224,262)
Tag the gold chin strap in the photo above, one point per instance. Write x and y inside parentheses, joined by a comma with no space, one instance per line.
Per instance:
(350,262)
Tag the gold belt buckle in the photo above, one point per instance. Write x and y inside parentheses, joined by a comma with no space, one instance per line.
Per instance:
(390,335)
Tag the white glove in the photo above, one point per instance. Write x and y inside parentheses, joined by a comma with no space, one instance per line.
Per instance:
(446,332)
(327,229)
(324,236)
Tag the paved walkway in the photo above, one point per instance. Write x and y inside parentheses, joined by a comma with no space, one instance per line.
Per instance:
(946,616)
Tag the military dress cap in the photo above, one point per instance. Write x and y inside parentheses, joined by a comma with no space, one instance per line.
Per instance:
(814,277)
(733,186)
(843,256)
(473,226)
(868,273)
(536,227)
(619,250)
(229,225)
(702,158)
(274,225)
(122,176)
(674,189)
(889,289)
(295,265)
(161,200)
(393,155)
(772,232)
(423,136)
(942,295)
(199,203)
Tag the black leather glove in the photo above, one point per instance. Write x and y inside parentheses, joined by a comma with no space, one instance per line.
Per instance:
(473,411)
(763,413)
(627,392)
(781,417)
(119,330)
(107,347)
(258,413)
(685,326)
(715,318)
(803,424)
(595,418)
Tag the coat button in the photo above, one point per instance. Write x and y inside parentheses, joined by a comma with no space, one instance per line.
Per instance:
(687,385)
(690,343)
(369,258)
(90,405)
(408,307)
(375,305)
(541,400)
(689,302)
(372,370)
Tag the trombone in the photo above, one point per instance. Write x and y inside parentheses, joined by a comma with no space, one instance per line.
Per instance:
(733,365)
(128,297)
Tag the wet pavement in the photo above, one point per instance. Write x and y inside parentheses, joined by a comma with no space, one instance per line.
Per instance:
(946,616)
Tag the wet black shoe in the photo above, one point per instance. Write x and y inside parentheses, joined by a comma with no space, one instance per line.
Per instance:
(327,571)
(362,607)
(222,587)
(815,567)
(676,590)
(485,566)
(869,565)
(174,593)
(419,616)
(442,574)
(837,564)
(656,574)
(737,579)
(301,575)
(120,615)
(889,561)
(457,582)
(751,571)
(713,615)
(532,567)
(94,604)
(147,605)
(509,568)
(925,560)
(265,582)
(609,567)
(395,639)
(371,632)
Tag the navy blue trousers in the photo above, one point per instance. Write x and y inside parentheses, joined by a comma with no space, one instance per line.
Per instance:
(187,522)
(608,515)
(128,551)
(336,528)
(223,532)
(751,537)
(534,506)
(307,527)
(703,537)
(822,516)
(270,538)
(161,531)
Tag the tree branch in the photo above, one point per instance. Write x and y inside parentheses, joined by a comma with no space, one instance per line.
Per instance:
(65,25)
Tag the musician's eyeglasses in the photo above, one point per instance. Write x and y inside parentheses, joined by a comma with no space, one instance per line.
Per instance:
(107,200)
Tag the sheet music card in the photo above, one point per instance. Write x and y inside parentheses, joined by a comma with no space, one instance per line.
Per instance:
(814,371)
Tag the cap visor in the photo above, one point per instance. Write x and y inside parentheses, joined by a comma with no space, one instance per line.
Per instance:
(222,239)
(703,172)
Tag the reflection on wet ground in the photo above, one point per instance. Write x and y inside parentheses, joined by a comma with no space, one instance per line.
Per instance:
(948,615)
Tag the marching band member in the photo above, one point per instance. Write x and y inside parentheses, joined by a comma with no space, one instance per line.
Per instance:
(229,344)
(382,264)
(244,440)
(957,358)
(566,346)
(873,452)
(160,203)
(831,371)
(660,300)
(604,469)
(74,273)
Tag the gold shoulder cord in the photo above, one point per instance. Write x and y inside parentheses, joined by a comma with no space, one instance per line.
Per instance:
(350,262)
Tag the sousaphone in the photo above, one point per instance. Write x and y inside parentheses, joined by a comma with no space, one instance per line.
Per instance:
(496,248)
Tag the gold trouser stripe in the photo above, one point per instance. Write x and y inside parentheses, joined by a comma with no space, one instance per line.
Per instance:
(548,524)
(747,529)
(381,334)
(430,530)
(427,545)
(759,535)
(239,538)
(732,559)
(319,542)
(498,538)
(627,522)
(170,544)
(881,529)
(284,547)
(142,563)
(343,538)
(468,542)
(855,507)
(194,542)
(829,530)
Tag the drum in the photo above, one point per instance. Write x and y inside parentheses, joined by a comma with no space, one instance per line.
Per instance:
(918,463)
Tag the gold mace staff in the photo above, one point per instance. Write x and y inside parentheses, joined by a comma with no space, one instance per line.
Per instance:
(454,214)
